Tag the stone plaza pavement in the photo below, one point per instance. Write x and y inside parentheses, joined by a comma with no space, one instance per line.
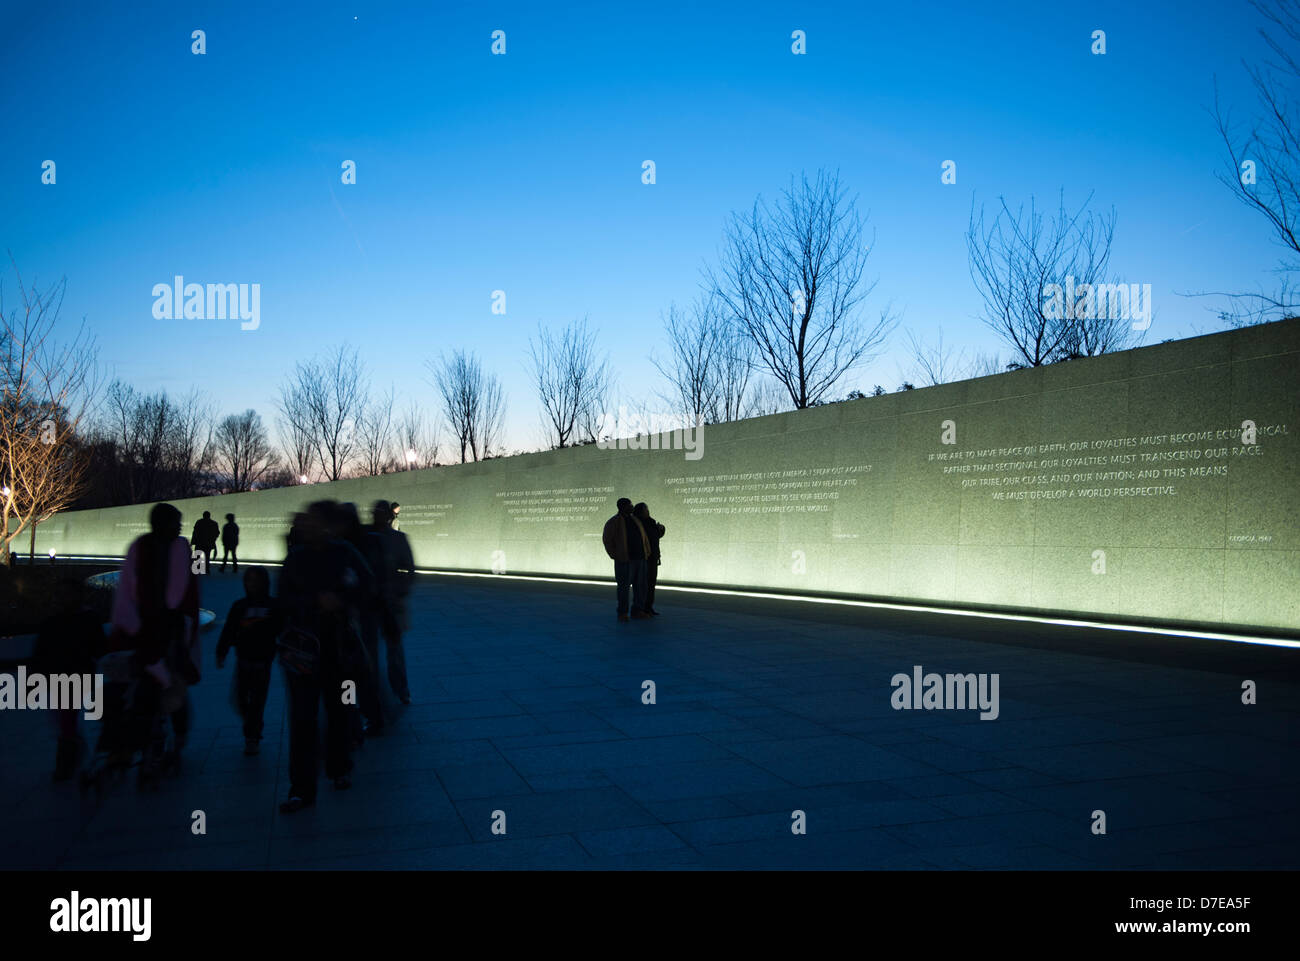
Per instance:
(527,700)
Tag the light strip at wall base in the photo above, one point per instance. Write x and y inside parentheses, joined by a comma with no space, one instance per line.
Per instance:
(849,602)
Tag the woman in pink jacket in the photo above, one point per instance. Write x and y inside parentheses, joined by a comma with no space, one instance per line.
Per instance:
(155,615)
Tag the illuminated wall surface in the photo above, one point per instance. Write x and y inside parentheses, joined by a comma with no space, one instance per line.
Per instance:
(1123,486)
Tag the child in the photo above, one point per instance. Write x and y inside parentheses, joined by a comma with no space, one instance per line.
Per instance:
(252,626)
(68,643)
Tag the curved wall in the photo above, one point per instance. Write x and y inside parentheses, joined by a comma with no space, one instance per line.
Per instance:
(1127,486)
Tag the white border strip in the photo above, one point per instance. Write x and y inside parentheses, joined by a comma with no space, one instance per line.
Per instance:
(847,602)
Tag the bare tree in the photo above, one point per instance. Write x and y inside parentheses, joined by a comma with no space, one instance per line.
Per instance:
(188,453)
(137,427)
(279,476)
(690,369)
(490,424)
(452,377)
(48,390)
(792,276)
(162,447)
(935,363)
(472,403)
(417,440)
(1262,161)
(297,434)
(985,364)
(767,397)
(1044,283)
(710,370)
(738,392)
(242,451)
(375,434)
(571,379)
(589,420)
(320,403)
(638,417)
(1101,326)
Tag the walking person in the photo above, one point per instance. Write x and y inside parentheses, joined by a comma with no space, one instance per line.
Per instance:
(370,716)
(251,628)
(654,531)
(156,611)
(321,584)
(70,642)
(205,537)
(229,542)
(628,547)
(395,582)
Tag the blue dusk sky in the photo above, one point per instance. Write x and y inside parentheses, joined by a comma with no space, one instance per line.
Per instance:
(523,172)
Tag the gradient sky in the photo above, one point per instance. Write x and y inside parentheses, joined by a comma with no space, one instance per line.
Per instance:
(523,172)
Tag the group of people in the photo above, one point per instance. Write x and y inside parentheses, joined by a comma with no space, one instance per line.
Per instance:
(153,650)
(204,539)
(342,588)
(631,539)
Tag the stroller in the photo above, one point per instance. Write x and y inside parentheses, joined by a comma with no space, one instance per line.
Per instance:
(137,710)
(121,732)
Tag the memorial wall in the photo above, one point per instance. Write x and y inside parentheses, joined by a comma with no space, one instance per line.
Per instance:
(1154,484)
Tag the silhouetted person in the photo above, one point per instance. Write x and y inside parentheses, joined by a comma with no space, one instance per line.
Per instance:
(395,577)
(347,527)
(320,583)
(157,608)
(653,532)
(205,536)
(229,541)
(293,538)
(626,544)
(251,628)
(69,642)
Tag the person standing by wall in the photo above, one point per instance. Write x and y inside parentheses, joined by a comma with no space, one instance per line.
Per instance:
(653,532)
(229,542)
(205,536)
(395,584)
(627,546)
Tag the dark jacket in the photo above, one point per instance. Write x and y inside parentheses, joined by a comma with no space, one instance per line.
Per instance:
(229,534)
(205,534)
(397,571)
(615,537)
(336,568)
(653,532)
(251,629)
(371,547)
